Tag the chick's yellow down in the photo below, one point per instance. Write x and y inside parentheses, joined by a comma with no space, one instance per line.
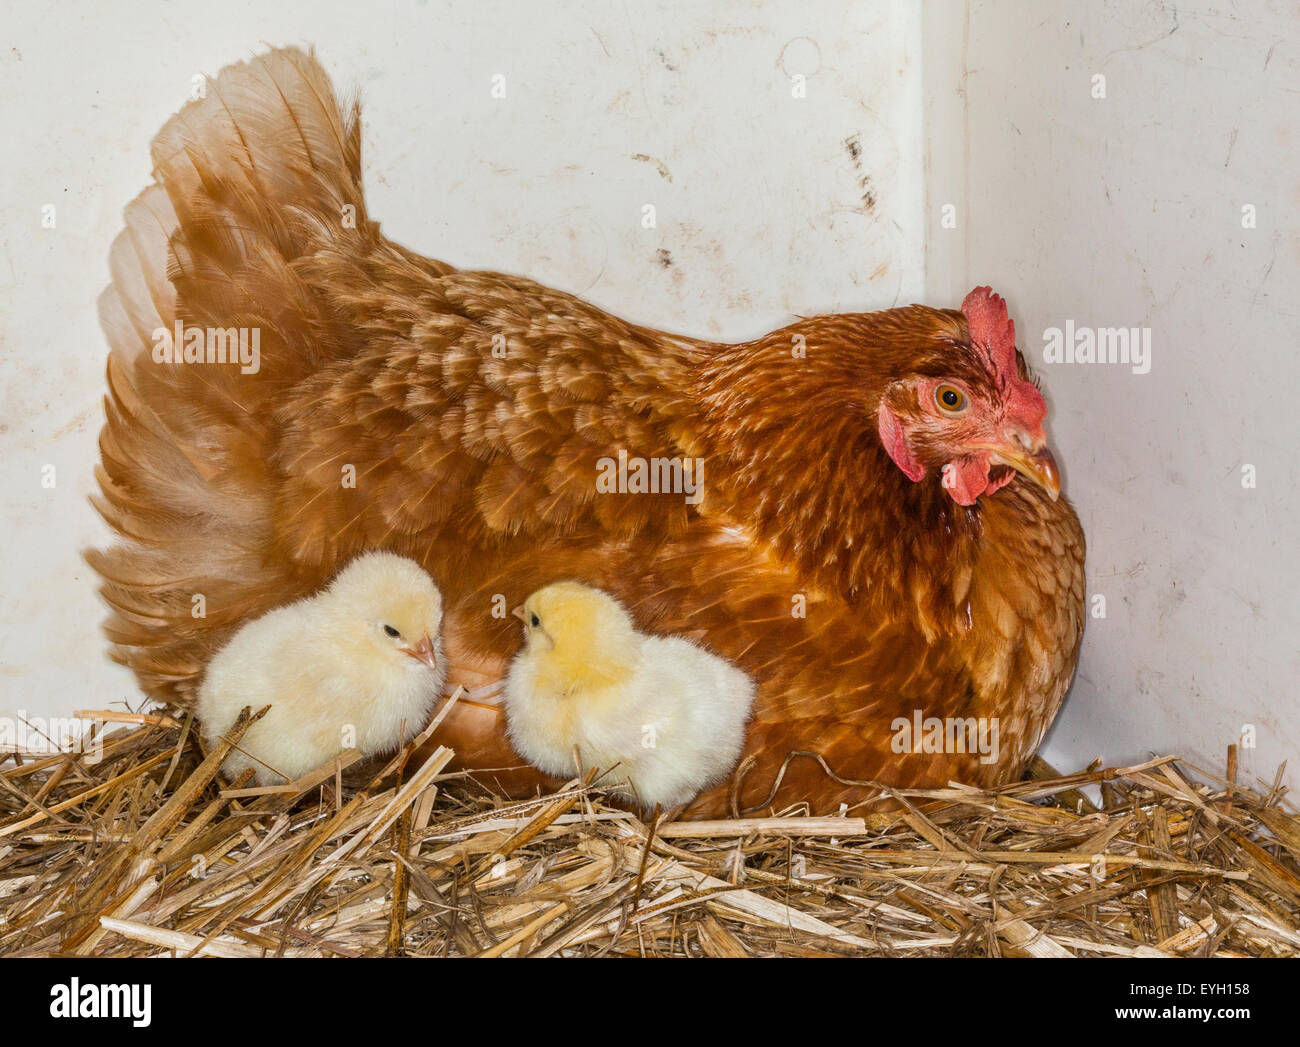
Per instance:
(588,690)
(357,666)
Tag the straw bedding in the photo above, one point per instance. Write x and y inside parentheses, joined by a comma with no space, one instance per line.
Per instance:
(148,852)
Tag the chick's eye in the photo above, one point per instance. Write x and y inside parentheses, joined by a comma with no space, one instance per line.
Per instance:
(534,621)
(391,631)
(950,398)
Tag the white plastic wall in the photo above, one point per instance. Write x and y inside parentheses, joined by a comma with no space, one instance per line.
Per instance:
(1135,209)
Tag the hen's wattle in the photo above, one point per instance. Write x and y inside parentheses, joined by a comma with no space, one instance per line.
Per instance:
(463,419)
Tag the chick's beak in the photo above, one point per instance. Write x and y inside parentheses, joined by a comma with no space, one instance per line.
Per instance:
(423,652)
(1038,466)
(518,612)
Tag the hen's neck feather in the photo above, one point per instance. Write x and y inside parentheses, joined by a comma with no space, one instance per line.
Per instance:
(792,442)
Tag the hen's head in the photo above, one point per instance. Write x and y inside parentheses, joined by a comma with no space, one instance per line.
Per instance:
(970,413)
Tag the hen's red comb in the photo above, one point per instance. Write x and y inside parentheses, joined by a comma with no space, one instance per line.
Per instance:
(993,336)
(992,331)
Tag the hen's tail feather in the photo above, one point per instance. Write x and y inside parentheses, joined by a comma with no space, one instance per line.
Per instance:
(290,147)
(257,186)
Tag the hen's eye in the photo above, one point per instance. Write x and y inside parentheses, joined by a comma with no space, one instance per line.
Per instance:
(950,398)
(535,621)
(391,631)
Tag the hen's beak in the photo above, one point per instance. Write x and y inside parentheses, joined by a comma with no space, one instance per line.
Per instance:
(423,652)
(518,612)
(1038,466)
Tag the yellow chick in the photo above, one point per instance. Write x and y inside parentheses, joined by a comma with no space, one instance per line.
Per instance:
(669,714)
(359,665)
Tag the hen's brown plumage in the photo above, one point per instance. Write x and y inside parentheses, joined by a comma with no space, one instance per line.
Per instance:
(482,466)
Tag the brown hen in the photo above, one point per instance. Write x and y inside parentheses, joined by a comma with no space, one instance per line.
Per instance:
(876,539)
